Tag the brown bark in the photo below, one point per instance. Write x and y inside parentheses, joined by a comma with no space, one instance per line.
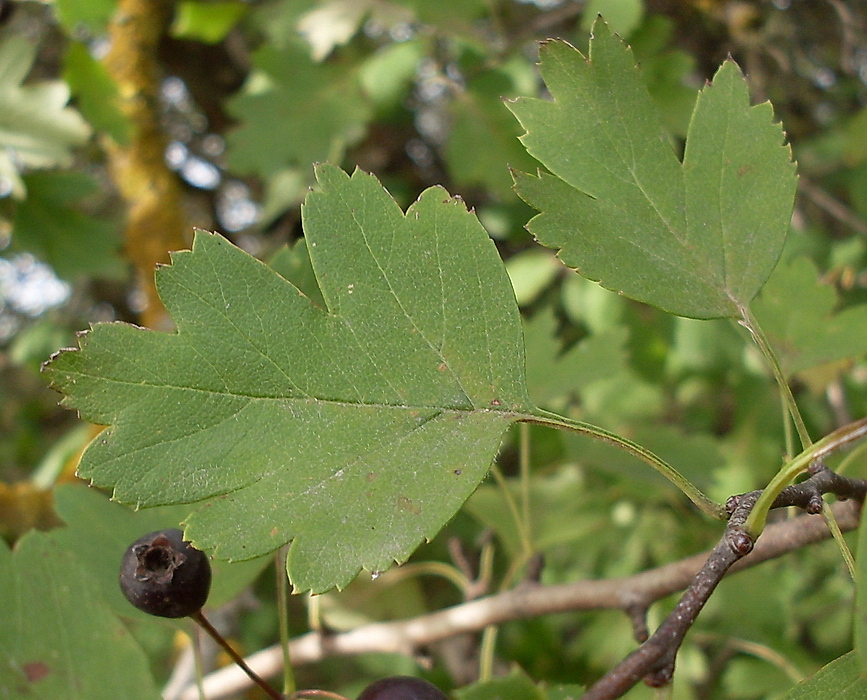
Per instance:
(156,222)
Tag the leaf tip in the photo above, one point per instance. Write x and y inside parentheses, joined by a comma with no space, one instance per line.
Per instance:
(599,27)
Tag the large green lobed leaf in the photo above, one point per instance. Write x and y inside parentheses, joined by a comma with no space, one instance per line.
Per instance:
(355,432)
(697,238)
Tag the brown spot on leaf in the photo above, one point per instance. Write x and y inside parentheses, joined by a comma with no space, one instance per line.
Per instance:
(36,671)
(371,476)
(407,504)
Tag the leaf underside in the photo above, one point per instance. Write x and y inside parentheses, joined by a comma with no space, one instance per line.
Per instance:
(696,238)
(355,432)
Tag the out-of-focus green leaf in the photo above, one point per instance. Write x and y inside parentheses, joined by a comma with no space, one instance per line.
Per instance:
(208,22)
(333,24)
(669,73)
(455,16)
(391,596)
(294,112)
(808,333)
(95,92)
(284,190)
(697,238)
(704,346)
(531,271)
(591,305)
(355,432)
(92,14)
(37,341)
(855,139)
(623,398)
(37,129)
(293,263)
(839,680)
(748,676)
(483,143)
(623,16)
(516,686)
(697,456)
(387,74)
(57,628)
(554,373)
(49,225)
(558,511)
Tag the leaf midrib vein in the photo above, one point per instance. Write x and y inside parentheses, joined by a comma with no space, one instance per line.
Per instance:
(305,399)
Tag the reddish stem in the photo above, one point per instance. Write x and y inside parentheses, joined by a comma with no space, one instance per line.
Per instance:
(235,656)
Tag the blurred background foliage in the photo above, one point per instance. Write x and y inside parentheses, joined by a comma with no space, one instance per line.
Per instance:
(124,124)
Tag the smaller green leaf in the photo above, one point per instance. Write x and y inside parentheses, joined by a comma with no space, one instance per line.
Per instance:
(368,600)
(839,680)
(704,346)
(208,22)
(284,190)
(59,638)
(669,72)
(855,146)
(697,456)
(697,238)
(37,129)
(751,677)
(808,333)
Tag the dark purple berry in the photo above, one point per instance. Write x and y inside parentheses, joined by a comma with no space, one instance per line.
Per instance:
(163,575)
(402,688)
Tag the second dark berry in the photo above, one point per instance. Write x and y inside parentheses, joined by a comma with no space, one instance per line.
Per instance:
(402,688)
